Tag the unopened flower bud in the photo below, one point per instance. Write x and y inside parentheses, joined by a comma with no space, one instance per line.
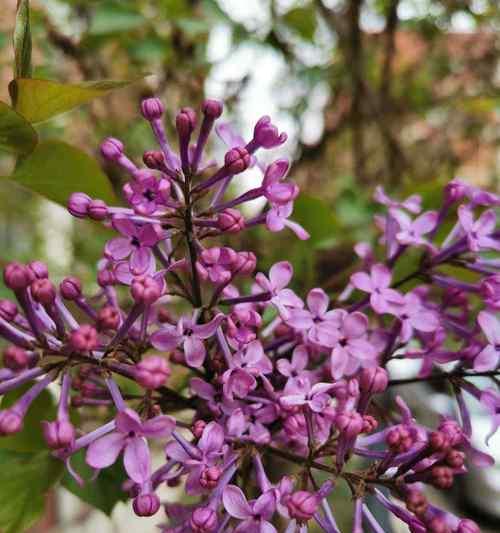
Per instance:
(8,310)
(17,276)
(373,380)
(98,210)
(230,220)
(416,502)
(302,505)
(71,288)
(209,477)
(78,204)
(237,160)
(467,526)
(349,423)
(15,358)
(185,122)
(154,159)
(59,434)
(438,441)
(105,277)
(43,291)
(246,263)
(267,135)
(212,108)
(112,149)
(369,424)
(399,439)
(203,520)
(145,290)
(437,525)
(452,431)
(108,318)
(39,269)
(152,109)
(146,504)
(441,477)
(83,339)
(10,422)
(455,459)
(152,372)
(198,428)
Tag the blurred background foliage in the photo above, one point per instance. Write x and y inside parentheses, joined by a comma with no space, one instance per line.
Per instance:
(402,93)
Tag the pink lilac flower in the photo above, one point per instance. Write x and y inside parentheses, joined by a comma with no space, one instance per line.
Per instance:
(478,232)
(489,356)
(411,232)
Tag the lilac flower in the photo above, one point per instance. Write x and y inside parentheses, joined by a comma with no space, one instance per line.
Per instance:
(490,398)
(489,356)
(412,203)
(479,232)
(414,315)
(190,335)
(130,437)
(411,232)
(135,242)
(254,514)
(315,396)
(282,298)
(383,299)
(352,349)
(296,367)
(146,193)
(277,220)
(276,190)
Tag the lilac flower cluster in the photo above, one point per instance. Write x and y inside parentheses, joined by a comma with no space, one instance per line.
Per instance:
(272,377)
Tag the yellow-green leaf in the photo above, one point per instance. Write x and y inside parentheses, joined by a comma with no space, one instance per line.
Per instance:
(16,133)
(56,169)
(39,100)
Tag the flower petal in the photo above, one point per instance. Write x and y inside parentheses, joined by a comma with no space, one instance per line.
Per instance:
(235,502)
(104,451)
(137,460)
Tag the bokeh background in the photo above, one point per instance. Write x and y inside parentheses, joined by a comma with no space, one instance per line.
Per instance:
(403,93)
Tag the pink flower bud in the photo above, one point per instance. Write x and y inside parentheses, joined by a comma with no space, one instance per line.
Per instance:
(105,277)
(302,505)
(416,502)
(369,424)
(246,263)
(59,434)
(8,310)
(145,290)
(15,358)
(399,439)
(10,422)
(152,372)
(209,477)
(266,134)
(453,431)
(185,121)
(212,108)
(153,159)
(230,220)
(108,318)
(98,210)
(152,109)
(71,288)
(17,276)
(467,526)
(39,269)
(112,149)
(198,428)
(437,525)
(237,160)
(438,441)
(373,380)
(146,504)
(83,339)
(349,423)
(455,459)
(203,520)
(78,204)
(43,291)
(441,477)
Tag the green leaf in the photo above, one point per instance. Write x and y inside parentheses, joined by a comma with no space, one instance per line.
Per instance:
(30,439)
(56,169)
(111,17)
(22,41)
(302,20)
(104,492)
(39,100)
(16,133)
(25,479)
(316,217)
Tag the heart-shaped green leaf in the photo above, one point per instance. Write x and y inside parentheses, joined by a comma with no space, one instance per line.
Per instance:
(22,41)
(39,100)
(16,133)
(25,479)
(56,169)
